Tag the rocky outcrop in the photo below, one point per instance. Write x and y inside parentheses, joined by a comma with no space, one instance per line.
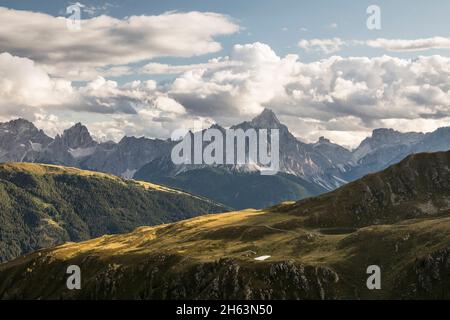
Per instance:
(20,140)
(427,277)
(158,278)
(76,137)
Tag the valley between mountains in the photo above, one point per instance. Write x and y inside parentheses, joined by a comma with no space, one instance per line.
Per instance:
(317,248)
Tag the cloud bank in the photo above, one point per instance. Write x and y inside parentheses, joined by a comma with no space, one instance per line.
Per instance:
(342,98)
(410,45)
(326,46)
(105,41)
(333,45)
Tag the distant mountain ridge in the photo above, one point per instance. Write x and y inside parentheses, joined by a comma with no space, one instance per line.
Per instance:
(324,164)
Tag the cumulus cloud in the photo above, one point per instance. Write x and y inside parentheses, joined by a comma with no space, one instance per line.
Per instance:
(258,77)
(92,10)
(410,45)
(161,68)
(104,41)
(333,25)
(343,98)
(23,83)
(329,46)
(326,46)
(27,90)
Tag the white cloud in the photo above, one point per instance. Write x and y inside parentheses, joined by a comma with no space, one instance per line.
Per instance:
(92,10)
(161,68)
(341,98)
(104,41)
(333,25)
(23,83)
(51,123)
(410,45)
(260,75)
(27,90)
(335,44)
(326,46)
(167,104)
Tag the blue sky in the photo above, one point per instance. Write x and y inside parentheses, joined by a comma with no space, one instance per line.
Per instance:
(265,21)
(281,24)
(315,63)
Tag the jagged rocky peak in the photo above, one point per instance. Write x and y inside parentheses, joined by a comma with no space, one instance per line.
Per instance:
(127,139)
(77,136)
(323,140)
(132,140)
(391,136)
(217,126)
(442,131)
(19,125)
(267,119)
(335,153)
(21,132)
(384,133)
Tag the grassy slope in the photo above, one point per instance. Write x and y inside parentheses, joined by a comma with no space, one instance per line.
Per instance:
(398,219)
(43,205)
(169,258)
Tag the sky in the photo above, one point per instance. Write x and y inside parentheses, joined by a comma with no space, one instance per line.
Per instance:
(148,68)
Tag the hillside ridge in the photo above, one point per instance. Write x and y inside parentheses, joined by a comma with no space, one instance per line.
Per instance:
(45,205)
(309,251)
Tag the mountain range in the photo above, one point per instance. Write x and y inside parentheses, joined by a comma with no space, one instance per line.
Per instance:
(306,169)
(315,248)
